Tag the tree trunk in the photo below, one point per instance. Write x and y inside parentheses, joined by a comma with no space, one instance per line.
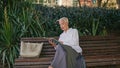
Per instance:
(118,3)
(99,2)
(105,4)
(79,3)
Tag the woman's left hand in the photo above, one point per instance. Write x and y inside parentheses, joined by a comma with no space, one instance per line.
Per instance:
(50,66)
(50,41)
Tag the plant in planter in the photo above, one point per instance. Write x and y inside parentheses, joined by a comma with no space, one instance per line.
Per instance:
(9,46)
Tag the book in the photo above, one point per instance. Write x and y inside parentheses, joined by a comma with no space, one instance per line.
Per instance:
(55,41)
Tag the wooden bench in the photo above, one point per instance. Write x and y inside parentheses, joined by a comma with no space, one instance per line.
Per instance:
(97,50)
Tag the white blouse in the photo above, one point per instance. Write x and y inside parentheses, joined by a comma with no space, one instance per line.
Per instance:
(71,38)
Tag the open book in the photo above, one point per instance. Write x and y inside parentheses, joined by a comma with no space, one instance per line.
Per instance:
(55,41)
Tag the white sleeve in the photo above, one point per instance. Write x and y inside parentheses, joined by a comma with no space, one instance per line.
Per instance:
(75,38)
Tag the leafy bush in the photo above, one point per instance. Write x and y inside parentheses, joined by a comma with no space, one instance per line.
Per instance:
(81,18)
(8,41)
(19,21)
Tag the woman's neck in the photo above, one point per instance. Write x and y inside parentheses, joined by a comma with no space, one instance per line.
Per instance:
(66,29)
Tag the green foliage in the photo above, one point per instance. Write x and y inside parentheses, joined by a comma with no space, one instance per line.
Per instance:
(19,21)
(27,19)
(93,30)
(80,18)
(1,11)
(9,46)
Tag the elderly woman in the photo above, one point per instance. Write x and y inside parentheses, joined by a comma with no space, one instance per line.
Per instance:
(68,52)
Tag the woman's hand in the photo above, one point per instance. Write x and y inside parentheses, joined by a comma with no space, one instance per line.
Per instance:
(50,41)
(61,42)
(50,66)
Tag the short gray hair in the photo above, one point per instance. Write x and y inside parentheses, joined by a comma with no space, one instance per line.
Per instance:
(65,19)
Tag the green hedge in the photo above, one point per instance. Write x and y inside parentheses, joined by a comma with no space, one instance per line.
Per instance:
(38,20)
(82,18)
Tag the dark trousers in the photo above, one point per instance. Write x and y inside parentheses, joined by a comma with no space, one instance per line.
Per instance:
(66,57)
(73,59)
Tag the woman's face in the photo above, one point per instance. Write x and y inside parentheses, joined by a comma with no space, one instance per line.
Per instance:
(63,25)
